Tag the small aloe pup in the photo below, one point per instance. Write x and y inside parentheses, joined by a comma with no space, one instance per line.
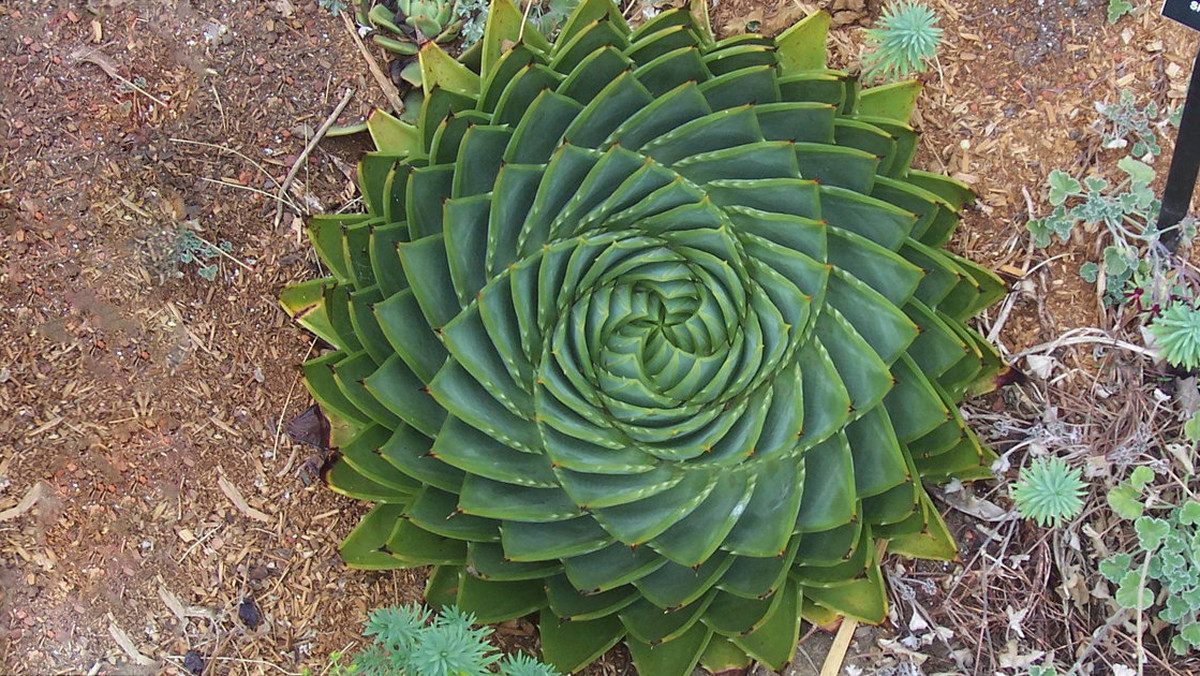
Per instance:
(650,334)
(401,26)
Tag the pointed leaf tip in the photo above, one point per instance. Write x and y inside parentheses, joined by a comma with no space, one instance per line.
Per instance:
(894,101)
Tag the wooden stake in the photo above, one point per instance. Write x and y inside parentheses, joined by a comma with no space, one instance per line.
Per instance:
(845,633)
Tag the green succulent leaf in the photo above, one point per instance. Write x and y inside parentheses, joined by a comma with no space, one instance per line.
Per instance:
(1151,532)
(1141,477)
(894,101)
(1132,594)
(649,333)
(1114,567)
(1124,501)
(1062,185)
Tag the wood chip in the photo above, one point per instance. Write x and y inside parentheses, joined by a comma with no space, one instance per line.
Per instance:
(172,603)
(224,426)
(175,605)
(284,7)
(235,496)
(127,645)
(31,498)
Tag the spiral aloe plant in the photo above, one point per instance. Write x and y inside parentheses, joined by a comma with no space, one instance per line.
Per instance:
(648,333)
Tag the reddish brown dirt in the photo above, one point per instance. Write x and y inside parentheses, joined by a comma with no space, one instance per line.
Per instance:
(129,385)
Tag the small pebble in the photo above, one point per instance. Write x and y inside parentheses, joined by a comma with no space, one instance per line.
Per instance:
(193,663)
(248,613)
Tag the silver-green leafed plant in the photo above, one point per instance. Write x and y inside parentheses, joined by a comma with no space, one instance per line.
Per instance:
(1049,491)
(650,334)
(1127,211)
(1177,333)
(545,15)
(905,41)
(473,14)
(1166,554)
(195,250)
(1123,124)
(334,7)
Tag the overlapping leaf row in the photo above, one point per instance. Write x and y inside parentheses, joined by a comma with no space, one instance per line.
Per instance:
(650,333)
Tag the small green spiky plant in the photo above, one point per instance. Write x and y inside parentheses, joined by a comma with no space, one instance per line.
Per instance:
(1049,491)
(651,334)
(905,41)
(411,641)
(1177,333)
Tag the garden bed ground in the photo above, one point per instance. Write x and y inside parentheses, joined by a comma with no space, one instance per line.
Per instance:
(144,404)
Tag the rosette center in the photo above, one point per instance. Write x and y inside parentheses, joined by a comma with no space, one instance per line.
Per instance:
(660,336)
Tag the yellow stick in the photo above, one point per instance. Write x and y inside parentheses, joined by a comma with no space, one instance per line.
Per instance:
(845,633)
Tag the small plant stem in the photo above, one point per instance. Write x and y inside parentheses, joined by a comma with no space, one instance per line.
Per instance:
(281,198)
(1141,653)
(228,150)
(214,247)
(1117,230)
(1099,634)
(312,143)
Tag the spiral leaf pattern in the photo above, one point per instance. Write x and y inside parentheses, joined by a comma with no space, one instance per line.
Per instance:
(650,333)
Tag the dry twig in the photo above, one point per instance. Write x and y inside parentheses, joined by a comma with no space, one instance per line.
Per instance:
(312,143)
(94,56)
(227,149)
(1085,336)
(122,639)
(389,89)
